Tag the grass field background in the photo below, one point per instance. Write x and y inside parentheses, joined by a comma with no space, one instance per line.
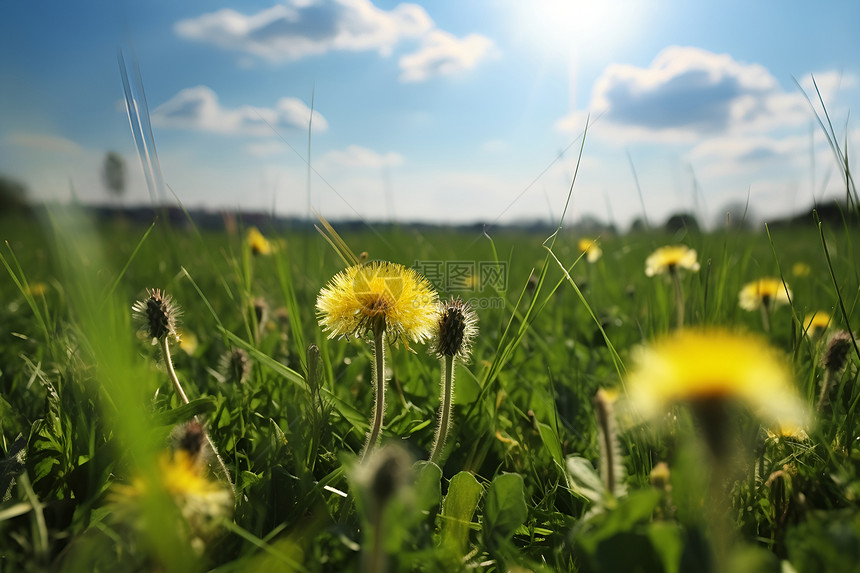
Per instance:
(86,406)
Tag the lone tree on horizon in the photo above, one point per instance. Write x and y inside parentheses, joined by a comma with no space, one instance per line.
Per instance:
(113,174)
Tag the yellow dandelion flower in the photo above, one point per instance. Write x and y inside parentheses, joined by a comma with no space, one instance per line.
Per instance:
(801,270)
(669,259)
(591,249)
(360,296)
(258,243)
(180,475)
(767,292)
(699,365)
(815,323)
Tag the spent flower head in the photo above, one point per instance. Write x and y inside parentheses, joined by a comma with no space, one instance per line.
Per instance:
(235,365)
(158,315)
(367,296)
(591,249)
(701,365)
(669,259)
(836,356)
(384,474)
(457,326)
(767,292)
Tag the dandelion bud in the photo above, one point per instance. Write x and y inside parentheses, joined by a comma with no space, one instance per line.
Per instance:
(158,315)
(456,329)
(315,370)
(190,438)
(236,366)
(261,311)
(384,473)
(836,354)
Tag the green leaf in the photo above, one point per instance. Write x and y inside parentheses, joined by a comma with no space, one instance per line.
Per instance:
(505,508)
(551,442)
(667,541)
(12,466)
(185,412)
(428,485)
(584,480)
(464,493)
(349,413)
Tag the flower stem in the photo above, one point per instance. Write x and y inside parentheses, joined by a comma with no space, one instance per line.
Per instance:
(379,388)
(824,396)
(765,316)
(679,296)
(445,406)
(225,473)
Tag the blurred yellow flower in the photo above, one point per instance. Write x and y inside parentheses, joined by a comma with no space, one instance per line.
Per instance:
(180,474)
(187,341)
(363,297)
(801,270)
(37,289)
(779,431)
(700,365)
(767,292)
(591,249)
(815,323)
(200,500)
(671,258)
(258,243)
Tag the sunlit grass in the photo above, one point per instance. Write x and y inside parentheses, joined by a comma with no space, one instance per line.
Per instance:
(86,406)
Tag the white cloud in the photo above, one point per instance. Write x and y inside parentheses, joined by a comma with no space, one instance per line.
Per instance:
(444,54)
(266,148)
(752,155)
(687,93)
(357,157)
(198,109)
(299,28)
(43,142)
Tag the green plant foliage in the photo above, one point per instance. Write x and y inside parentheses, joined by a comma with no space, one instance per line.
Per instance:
(88,411)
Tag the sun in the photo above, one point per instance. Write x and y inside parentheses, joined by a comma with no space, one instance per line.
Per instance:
(579,26)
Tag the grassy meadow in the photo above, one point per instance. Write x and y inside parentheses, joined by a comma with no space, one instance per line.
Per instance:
(550,464)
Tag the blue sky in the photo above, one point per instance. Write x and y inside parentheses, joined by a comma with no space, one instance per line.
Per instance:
(447,111)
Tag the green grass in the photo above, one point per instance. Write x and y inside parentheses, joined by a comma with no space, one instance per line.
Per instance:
(84,406)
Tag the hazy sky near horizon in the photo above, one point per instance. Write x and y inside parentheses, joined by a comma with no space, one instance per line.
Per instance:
(444,111)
